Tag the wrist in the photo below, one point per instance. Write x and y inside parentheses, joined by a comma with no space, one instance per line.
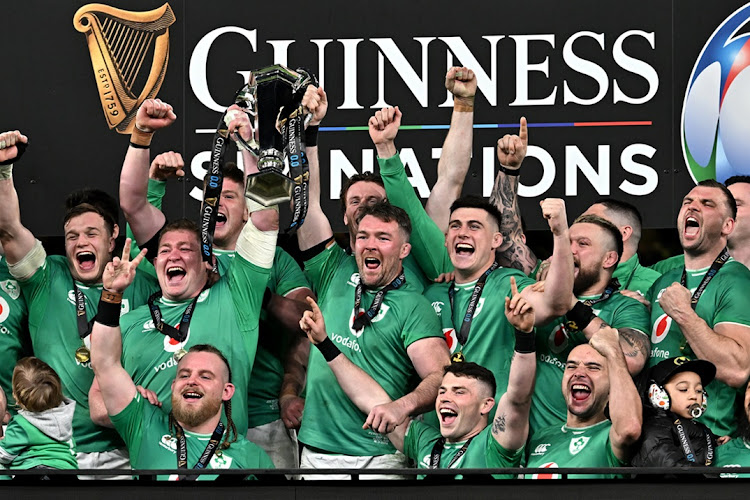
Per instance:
(510,171)
(579,316)
(311,135)
(463,104)
(141,137)
(386,150)
(525,342)
(328,349)
(108,312)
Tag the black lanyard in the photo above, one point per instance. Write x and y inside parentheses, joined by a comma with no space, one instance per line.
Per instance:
(612,287)
(177,334)
(717,264)
(212,192)
(299,168)
(687,449)
(437,451)
(463,333)
(182,454)
(84,326)
(360,321)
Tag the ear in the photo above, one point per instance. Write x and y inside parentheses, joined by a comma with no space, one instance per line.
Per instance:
(245,214)
(627,232)
(497,240)
(115,234)
(727,227)
(228,392)
(487,405)
(405,249)
(610,259)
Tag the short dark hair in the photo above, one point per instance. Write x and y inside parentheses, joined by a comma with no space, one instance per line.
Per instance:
(231,435)
(472,201)
(736,179)
(386,212)
(180,225)
(731,202)
(230,171)
(608,227)
(625,210)
(363,177)
(92,200)
(472,370)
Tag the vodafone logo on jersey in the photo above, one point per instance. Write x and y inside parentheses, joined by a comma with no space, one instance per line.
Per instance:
(661,329)
(4,309)
(558,339)
(548,465)
(451,339)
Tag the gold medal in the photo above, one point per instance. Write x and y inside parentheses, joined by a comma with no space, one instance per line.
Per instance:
(83,354)
(458,357)
(179,354)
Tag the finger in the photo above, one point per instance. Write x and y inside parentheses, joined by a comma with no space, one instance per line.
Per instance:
(397,114)
(138,258)
(507,305)
(314,306)
(523,131)
(126,249)
(513,286)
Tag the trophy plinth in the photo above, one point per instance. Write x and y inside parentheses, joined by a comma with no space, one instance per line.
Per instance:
(269,187)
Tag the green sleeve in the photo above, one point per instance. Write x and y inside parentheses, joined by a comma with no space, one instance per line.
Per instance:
(322,268)
(421,323)
(14,442)
(632,314)
(155,194)
(731,306)
(666,265)
(248,284)
(419,436)
(286,275)
(500,458)
(427,240)
(129,424)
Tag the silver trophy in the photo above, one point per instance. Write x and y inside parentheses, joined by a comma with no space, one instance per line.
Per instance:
(275,100)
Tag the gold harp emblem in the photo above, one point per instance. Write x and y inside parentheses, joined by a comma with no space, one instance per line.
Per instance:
(119,41)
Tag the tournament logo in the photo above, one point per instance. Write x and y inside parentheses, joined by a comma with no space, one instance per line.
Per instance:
(548,465)
(661,329)
(558,339)
(4,309)
(119,42)
(716,110)
(577,444)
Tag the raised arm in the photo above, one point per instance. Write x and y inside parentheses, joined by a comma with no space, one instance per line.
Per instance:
(455,157)
(514,253)
(145,220)
(625,409)
(16,240)
(427,239)
(555,300)
(116,386)
(511,425)
(317,227)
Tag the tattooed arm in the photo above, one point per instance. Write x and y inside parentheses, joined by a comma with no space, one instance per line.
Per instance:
(513,252)
(634,343)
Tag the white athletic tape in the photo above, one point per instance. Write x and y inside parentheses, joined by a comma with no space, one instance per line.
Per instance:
(26,267)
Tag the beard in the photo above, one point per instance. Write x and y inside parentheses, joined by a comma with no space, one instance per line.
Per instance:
(190,416)
(586,279)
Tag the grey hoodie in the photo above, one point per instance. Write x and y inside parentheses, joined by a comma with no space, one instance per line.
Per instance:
(57,423)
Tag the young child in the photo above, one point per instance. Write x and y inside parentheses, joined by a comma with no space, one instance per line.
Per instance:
(676,397)
(40,436)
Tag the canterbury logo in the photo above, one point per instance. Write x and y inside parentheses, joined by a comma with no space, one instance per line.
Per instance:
(119,41)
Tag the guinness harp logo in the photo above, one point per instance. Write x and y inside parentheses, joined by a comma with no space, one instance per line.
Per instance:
(119,42)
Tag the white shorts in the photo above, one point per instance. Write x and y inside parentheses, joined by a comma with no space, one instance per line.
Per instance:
(279,442)
(314,460)
(112,459)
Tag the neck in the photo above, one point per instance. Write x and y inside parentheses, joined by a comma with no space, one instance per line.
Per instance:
(207,427)
(627,253)
(693,260)
(227,245)
(467,276)
(597,288)
(476,430)
(741,254)
(576,422)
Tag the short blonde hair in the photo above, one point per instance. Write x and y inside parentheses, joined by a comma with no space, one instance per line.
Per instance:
(36,386)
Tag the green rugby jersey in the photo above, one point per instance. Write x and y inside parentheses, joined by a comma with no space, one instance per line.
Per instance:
(723,301)
(736,453)
(15,342)
(54,338)
(331,422)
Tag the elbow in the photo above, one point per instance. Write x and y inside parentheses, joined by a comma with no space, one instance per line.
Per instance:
(735,377)
(630,432)
(99,416)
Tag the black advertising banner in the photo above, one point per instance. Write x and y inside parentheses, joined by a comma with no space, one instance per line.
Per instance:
(604,87)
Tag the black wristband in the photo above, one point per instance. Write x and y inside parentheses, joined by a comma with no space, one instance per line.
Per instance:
(266,298)
(508,171)
(139,146)
(21,148)
(579,317)
(311,136)
(108,313)
(525,342)
(328,349)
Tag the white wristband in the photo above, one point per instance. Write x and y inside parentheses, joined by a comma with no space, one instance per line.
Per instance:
(31,262)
